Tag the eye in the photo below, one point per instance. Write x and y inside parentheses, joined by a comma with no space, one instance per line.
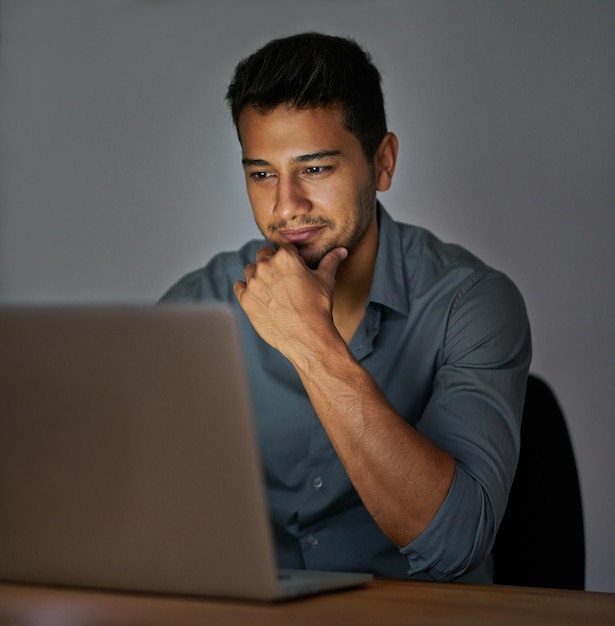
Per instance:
(260,175)
(317,169)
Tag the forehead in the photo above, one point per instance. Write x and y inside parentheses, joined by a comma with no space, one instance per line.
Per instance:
(286,129)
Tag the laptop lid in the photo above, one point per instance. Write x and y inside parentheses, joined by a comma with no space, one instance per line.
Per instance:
(128,457)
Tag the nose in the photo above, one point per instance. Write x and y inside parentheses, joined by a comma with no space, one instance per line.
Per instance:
(291,200)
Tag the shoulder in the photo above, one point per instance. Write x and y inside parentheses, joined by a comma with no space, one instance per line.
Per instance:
(429,267)
(435,258)
(446,277)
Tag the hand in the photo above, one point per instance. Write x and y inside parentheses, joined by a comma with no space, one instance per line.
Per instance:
(288,303)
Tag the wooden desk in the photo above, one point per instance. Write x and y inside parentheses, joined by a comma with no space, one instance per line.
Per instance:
(381,603)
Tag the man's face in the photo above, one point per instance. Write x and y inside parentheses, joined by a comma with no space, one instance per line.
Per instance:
(308,180)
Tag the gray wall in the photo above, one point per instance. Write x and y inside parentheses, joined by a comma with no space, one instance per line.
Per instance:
(120,169)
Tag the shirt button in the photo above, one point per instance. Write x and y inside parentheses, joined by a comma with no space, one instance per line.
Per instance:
(318,483)
(313,541)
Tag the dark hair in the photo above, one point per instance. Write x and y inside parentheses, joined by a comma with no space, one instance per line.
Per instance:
(312,70)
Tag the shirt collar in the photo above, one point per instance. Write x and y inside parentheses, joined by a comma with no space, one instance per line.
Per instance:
(388,284)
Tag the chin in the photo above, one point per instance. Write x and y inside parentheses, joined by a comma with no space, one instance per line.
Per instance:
(312,260)
(311,257)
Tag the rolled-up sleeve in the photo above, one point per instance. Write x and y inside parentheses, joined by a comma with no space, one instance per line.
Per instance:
(436,551)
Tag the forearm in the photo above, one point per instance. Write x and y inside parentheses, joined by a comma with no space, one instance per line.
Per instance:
(401,476)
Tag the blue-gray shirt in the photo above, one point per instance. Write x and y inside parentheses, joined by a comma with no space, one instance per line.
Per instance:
(447,340)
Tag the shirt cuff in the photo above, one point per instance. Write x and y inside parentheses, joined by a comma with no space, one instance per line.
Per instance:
(460,535)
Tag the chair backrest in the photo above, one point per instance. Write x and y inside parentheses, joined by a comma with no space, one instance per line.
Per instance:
(541,541)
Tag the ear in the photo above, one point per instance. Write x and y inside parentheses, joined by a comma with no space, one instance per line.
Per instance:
(384,161)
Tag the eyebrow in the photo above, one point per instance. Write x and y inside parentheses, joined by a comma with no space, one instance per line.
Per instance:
(303,158)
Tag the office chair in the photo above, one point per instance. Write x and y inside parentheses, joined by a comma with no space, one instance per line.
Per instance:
(541,541)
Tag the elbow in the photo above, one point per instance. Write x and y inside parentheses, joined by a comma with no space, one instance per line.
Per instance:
(459,538)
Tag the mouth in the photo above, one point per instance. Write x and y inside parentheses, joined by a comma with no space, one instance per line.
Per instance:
(303,235)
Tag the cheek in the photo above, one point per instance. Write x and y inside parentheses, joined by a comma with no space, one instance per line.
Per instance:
(260,200)
(331,195)
(262,204)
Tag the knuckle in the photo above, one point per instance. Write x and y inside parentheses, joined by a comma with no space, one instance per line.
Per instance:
(264,253)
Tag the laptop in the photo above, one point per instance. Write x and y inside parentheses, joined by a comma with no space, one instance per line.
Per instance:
(128,457)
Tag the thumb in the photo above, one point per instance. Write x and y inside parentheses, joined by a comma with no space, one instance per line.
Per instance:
(330,262)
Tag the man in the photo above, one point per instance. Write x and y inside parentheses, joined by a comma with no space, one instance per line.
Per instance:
(387,369)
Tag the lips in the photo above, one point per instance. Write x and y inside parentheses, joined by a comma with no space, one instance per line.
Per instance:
(300,235)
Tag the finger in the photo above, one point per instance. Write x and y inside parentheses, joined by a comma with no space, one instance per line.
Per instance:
(238,289)
(249,270)
(331,261)
(264,254)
